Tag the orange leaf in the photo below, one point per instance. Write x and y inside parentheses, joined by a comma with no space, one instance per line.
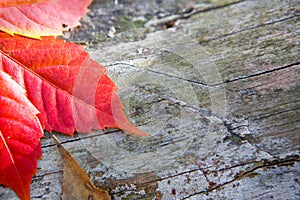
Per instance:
(35,18)
(7,3)
(20,134)
(71,91)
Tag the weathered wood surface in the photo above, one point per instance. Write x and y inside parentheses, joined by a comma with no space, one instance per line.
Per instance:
(218,91)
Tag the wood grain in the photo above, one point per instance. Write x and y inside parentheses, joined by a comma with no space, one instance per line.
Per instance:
(219,94)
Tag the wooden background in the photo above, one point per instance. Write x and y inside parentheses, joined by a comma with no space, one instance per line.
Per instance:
(215,83)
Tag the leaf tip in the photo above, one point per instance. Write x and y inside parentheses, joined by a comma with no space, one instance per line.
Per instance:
(56,139)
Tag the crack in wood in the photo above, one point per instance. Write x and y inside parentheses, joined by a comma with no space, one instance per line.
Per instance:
(215,84)
(166,21)
(252,28)
(278,125)
(264,163)
(36,177)
(259,74)
(288,161)
(53,144)
(274,114)
(161,73)
(86,136)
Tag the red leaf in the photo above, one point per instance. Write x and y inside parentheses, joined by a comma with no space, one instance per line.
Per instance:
(20,134)
(35,18)
(70,90)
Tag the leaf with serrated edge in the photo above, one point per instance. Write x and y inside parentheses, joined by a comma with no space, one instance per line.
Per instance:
(71,91)
(20,134)
(43,18)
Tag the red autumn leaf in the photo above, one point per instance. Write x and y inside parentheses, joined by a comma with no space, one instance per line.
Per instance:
(35,18)
(20,134)
(71,91)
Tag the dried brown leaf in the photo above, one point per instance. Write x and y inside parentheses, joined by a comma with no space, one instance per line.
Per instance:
(75,183)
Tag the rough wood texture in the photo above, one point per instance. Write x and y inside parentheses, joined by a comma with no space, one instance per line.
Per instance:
(218,91)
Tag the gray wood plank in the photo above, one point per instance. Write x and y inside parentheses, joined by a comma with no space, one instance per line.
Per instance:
(219,94)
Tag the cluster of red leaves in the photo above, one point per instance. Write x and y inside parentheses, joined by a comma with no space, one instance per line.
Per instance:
(47,84)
